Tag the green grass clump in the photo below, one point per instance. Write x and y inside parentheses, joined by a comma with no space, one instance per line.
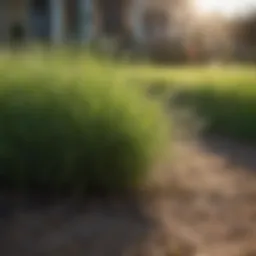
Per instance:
(76,130)
(228,111)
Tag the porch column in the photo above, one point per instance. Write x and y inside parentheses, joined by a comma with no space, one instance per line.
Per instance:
(138,19)
(57,21)
(85,20)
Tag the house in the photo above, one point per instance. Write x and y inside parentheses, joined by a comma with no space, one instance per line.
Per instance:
(64,21)
(55,21)
(59,21)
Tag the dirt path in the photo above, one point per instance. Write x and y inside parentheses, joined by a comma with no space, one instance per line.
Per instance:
(213,202)
(204,203)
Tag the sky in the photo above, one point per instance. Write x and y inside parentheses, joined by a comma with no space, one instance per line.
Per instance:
(226,7)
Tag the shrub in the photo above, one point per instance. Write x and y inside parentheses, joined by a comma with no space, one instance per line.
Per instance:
(78,131)
(229,111)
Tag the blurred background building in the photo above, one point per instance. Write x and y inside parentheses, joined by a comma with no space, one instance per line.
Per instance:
(163,29)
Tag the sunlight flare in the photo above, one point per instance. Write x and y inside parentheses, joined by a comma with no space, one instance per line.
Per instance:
(223,6)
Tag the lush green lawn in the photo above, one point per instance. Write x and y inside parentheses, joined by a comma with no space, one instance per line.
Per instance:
(226,75)
(77,62)
(223,95)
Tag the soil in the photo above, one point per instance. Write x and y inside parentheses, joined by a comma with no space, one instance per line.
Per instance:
(201,202)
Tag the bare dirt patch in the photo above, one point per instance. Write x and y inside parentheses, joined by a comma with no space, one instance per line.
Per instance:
(201,203)
(213,197)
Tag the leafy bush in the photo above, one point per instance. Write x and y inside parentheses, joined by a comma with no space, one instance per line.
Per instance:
(229,111)
(80,131)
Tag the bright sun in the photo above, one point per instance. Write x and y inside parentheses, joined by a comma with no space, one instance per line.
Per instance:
(222,6)
(213,5)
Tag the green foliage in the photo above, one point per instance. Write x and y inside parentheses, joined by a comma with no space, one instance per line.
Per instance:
(63,127)
(229,111)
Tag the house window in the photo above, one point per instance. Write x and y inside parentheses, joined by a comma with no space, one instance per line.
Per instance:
(40,18)
(112,16)
(40,5)
(72,19)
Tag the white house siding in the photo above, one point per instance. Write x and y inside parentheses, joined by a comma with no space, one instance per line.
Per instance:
(88,25)
(84,24)
(137,11)
(57,21)
(86,20)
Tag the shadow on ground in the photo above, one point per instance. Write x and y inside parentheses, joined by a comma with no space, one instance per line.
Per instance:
(238,155)
(99,227)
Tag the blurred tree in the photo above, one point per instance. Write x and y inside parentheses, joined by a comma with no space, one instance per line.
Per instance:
(245,29)
(244,37)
